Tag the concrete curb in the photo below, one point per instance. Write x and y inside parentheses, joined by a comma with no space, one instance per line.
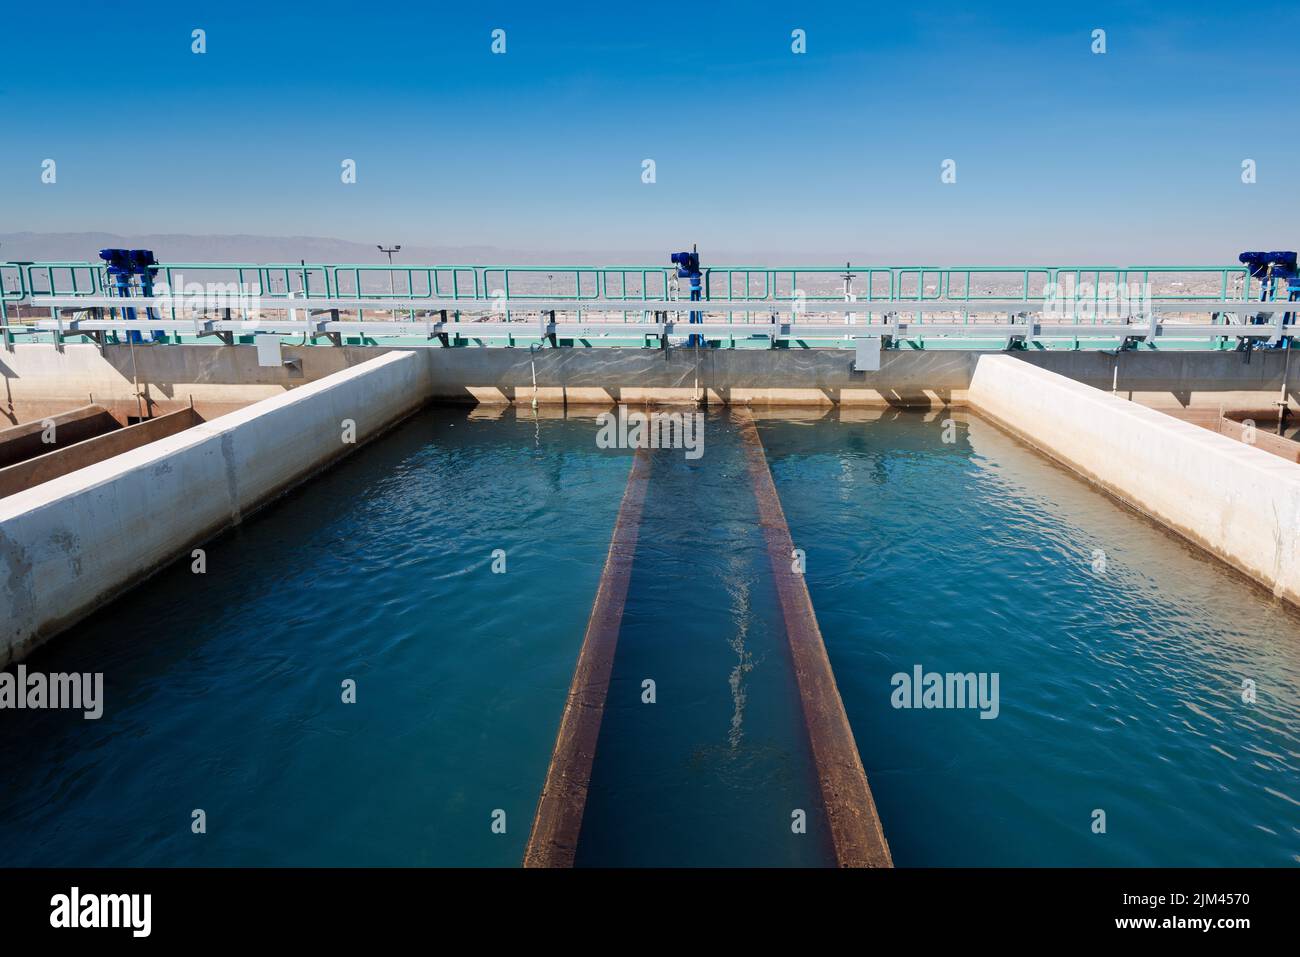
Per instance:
(1238,502)
(74,543)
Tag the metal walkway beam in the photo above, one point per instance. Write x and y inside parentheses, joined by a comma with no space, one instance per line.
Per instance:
(770,306)
(775,331)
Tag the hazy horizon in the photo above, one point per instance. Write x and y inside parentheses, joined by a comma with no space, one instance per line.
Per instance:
(248,248)
(1060,154)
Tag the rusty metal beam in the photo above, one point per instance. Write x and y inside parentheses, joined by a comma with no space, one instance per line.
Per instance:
(558,822)
(856,832)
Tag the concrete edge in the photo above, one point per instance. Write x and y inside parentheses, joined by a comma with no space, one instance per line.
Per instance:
(78,455)
(106,471)
(1256,465)
(94,482)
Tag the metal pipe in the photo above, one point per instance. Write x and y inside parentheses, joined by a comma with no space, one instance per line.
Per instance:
(1282,399)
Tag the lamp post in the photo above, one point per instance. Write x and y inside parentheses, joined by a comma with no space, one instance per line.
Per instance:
(389,250)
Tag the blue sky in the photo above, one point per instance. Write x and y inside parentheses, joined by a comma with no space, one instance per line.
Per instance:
(1062,155)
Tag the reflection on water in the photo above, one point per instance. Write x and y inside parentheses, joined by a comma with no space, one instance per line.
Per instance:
(1121,684)
(1121,689)
(223,691)
(711,772)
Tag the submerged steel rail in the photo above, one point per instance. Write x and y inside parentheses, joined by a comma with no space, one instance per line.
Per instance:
(857,836)
(557,823)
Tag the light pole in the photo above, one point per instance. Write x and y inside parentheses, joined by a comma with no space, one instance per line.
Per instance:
(392,288)
(389,250)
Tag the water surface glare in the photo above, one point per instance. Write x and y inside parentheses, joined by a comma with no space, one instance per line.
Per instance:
(1120,681)
(1120,687)
(714,770)
(223,691)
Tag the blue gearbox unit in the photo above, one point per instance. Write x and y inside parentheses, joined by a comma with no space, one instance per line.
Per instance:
(688,267)
(1283,263)
(129,262)
(123,265)
(1272,269)
(688,264)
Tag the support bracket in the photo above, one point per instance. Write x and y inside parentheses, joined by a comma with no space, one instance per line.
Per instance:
(321,332)
(440,334)
(207,329)
(1019,340)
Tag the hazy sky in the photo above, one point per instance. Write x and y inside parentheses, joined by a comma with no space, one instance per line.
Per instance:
(1062,155)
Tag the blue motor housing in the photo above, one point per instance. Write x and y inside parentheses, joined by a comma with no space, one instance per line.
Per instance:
(1282,261)
(122,265)
(1284,264)
(688,267)
(688,264)
(129,262)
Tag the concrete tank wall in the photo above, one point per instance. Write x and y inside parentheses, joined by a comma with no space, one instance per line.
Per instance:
(44,468)
(39,380)
(1237,501)
(907,377)
(74,543)
(1181,380)
(683,375)
(24,441)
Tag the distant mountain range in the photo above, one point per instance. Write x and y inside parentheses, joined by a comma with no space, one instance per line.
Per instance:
(239,248)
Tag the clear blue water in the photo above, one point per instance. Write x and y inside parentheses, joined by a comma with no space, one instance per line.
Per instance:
(1119,691)
(710,773)
(223,691)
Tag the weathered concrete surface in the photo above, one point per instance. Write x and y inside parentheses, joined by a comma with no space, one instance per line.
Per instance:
(70,457)
(684,375)
(38,379)
(74,543)
(1259,432)
(28,439)
(1238,502)
(1180,380)
(907,378)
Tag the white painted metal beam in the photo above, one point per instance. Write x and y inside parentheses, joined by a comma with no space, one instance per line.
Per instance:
(711,306)
(714,330)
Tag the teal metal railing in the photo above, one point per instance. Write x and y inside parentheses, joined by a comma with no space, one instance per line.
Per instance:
(758,284)
(960,289)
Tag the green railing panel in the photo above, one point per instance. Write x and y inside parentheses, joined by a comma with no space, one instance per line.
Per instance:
(759,284)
